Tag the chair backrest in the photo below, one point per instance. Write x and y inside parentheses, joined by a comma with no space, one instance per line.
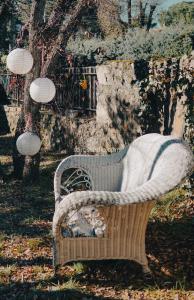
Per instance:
(108,178)
(154,155)
(104,171)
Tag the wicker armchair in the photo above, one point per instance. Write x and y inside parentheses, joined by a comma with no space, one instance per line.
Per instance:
(124,187)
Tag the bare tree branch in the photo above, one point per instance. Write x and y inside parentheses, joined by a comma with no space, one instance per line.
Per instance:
(65,31)
(6,7)
(129,12)
(56,18)
(36,19)
(150,17)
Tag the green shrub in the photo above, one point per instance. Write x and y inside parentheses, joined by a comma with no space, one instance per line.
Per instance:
(137,44)
(179,12)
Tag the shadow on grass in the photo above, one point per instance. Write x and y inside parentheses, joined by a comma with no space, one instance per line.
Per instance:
(22,206)
(66,295)
(40,260)
(170,248)
(170,244)
(6,145)
(118,273)
(26,291)
(27,211)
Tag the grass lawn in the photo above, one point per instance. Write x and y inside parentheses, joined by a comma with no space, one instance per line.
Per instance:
(26,270)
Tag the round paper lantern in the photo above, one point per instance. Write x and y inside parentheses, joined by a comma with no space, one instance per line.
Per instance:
(42,90)
(28,143)
(19,61)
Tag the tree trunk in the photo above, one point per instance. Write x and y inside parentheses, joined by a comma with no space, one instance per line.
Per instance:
(129,13)
(150,17)
(64,32)
(109,18)
(18,159)
(31,166)
(141,14)
(58,38)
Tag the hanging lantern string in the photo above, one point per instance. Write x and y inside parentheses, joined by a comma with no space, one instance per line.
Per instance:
(28,122)
(42,56)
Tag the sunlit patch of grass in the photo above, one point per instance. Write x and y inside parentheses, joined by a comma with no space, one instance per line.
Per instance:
(69,285)
(1,246)
(18,249)
(2,237)
(35,244)
(79,268)
(28,221)
(49,163)
(165,207)
(6,272)
(181,284)
(37,269)
(6,159)
(161,294)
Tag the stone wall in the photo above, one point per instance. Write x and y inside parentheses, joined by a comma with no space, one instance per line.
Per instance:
(133,99)
(142,97)
(66,134)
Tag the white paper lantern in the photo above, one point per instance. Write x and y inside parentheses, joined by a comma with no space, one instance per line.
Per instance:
(42,90)
(28,143)
(19,61)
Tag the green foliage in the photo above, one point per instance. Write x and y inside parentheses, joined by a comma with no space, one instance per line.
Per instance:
(12,14)
(35,243)
(23,7)
(168,203)
(3,58)
(7,21)
(182,12)
(108,13)
(136,44)
(79,268)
